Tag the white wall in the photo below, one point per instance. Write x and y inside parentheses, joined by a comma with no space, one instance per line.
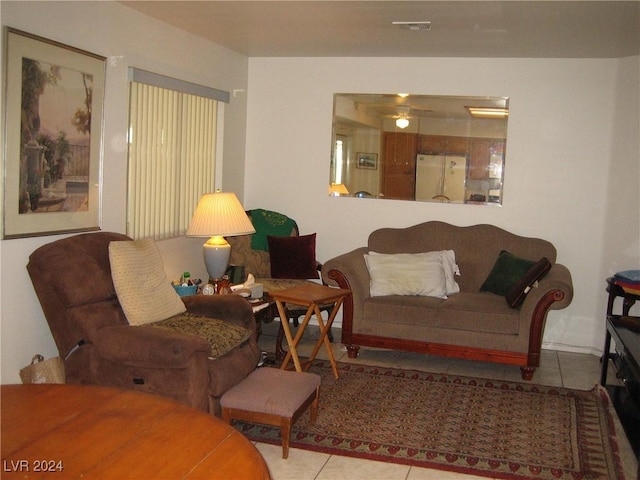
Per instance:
(126,38)
(572,163)
(572,168)
(621,230)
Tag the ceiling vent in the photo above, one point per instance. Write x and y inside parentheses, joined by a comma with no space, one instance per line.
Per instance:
(413,25)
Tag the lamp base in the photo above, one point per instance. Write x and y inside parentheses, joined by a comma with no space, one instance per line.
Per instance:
(216,252)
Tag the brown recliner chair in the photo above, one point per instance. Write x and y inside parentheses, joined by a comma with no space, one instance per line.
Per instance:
(72,279)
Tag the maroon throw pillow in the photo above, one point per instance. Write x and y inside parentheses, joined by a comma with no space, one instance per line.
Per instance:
(293,257)
(516,295)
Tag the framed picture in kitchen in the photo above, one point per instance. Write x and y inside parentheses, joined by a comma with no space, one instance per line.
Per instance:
(367,160)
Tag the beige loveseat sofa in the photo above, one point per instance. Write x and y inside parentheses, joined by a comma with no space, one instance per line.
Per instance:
(472,323)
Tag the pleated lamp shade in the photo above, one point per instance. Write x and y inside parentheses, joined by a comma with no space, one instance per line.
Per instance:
(218,215)
(337,189)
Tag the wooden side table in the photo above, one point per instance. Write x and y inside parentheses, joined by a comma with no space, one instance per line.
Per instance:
(262,311)
(293,315)
(265,311)
(311,296)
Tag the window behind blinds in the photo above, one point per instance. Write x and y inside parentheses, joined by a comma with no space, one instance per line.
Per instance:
(172,153)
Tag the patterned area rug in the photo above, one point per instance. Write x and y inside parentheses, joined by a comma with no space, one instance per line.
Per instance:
(482,427)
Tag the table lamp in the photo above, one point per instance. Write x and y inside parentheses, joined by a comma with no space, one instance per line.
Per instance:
(337,189)
(218,215)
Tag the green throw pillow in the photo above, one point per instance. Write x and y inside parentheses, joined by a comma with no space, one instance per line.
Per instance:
(505,273)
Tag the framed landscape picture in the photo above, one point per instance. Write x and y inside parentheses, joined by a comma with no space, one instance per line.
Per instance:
(367,160)
(53,137)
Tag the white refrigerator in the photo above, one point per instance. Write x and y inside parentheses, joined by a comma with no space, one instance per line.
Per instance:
(440,175)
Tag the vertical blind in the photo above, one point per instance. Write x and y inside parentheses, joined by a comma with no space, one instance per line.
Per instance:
(172,151)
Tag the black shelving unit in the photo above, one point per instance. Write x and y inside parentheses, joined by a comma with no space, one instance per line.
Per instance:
(624,330)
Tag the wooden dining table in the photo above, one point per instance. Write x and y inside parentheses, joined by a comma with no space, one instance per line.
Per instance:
(71,431)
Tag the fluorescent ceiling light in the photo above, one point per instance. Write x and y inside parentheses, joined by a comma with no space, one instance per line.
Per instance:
(488,112)
(414,25)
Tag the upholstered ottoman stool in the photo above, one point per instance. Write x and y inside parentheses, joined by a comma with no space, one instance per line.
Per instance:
(275,397)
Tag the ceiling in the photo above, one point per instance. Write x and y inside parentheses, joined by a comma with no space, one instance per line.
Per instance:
(363,28)
(423,106)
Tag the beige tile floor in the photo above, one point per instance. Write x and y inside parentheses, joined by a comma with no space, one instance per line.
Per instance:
(572,370)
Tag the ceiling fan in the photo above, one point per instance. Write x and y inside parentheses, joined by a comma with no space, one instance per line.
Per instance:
(404,113)
(402,116)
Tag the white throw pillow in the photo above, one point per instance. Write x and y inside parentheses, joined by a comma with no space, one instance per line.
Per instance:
(406,274)
(144,291)
(450,270)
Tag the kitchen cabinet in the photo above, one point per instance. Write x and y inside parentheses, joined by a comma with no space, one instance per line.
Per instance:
(442,145)
(480,158)
(483,172)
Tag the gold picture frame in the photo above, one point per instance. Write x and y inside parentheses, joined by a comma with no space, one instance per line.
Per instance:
(53,137)
(367,160)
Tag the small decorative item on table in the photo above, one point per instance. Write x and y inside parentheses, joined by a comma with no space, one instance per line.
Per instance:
(254,289)
(186,286)
(223,286)
(184,290)
(629,281)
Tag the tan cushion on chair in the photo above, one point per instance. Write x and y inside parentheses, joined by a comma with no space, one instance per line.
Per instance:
(142,286)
